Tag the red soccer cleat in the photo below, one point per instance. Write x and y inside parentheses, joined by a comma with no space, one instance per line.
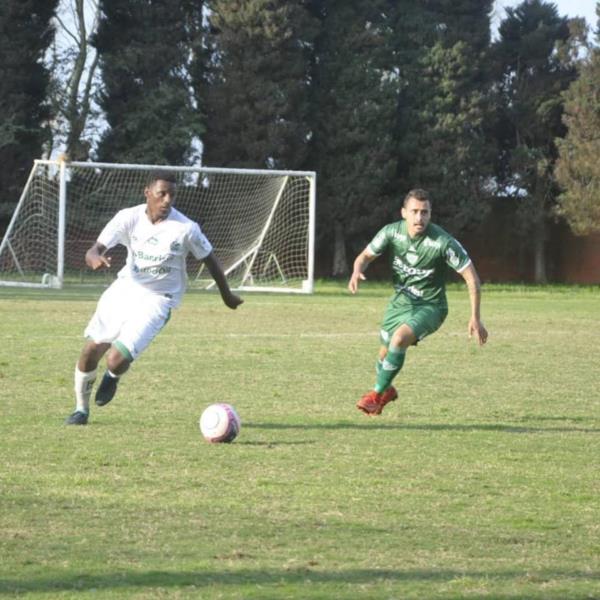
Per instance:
(372,403)
(388,396)
(369,403)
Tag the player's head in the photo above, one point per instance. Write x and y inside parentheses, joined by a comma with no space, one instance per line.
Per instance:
(418,194)
(416,211)
(160,194)
(160,175)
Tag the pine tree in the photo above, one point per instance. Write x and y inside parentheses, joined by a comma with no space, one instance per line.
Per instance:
(443,111)
(144,51)
(356,94)
(26,31)
(257,92)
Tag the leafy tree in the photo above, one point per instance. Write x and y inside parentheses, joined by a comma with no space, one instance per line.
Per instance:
(257,85)
(578,169)
(74,78)
(144,51)
(535,64)
(26,32)
(200,55)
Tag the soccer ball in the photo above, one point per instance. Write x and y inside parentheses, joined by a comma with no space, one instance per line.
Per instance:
(220,423)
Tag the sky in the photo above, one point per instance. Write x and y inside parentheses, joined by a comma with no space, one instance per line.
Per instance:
(568,8)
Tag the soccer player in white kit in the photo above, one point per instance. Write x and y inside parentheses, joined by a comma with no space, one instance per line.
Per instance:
(137,305)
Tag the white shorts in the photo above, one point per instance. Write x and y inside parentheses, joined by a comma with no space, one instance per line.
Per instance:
(128,316)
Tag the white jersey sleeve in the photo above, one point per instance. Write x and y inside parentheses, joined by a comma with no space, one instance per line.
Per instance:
(116,230)
(197,243)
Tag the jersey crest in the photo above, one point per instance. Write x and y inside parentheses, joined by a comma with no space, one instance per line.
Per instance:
(412,258)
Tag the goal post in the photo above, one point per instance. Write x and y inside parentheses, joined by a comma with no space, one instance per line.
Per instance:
(261,223)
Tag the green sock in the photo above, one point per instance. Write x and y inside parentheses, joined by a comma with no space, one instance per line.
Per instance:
(390,367)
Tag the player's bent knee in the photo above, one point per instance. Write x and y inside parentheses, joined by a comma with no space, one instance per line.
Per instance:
(403,337)
(91,354)
(118,361)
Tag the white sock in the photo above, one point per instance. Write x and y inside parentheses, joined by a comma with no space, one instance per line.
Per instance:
(84,382)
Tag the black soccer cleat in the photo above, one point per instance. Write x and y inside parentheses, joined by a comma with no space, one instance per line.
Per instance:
(77,418)
(106,390)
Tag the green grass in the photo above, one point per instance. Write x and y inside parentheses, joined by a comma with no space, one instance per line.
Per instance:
(481,481)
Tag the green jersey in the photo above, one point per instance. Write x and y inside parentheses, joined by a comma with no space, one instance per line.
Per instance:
(420,264)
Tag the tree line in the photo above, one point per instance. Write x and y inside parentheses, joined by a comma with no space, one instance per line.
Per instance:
(376,96)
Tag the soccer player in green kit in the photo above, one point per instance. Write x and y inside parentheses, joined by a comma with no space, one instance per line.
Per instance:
(420,253)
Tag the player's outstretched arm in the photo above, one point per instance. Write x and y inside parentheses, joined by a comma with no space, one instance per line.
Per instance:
(476,326)
(229,298)
(362,261)
(95,259)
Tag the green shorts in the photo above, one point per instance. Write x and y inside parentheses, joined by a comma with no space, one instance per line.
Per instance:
(423,319)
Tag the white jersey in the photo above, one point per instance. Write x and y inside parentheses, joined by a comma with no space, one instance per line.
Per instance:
(156,252)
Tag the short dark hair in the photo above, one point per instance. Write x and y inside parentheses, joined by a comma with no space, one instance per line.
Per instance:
(418,194)
(160,175)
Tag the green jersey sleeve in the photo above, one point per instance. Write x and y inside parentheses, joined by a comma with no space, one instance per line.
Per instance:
(381,240)
(455,255)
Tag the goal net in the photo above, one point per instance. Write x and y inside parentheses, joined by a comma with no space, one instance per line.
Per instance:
(260,223)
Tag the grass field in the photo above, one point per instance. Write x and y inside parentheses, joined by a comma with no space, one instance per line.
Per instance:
(481,481)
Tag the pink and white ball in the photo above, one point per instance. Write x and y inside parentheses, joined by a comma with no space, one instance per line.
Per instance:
(219,423)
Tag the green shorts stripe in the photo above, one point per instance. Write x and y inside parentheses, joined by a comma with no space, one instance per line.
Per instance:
(123,350)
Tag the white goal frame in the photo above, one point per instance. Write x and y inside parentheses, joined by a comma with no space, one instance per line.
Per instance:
(276,255)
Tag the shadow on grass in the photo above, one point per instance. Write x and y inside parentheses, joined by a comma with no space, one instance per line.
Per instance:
(499,427)
(273,444)
(282,577)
